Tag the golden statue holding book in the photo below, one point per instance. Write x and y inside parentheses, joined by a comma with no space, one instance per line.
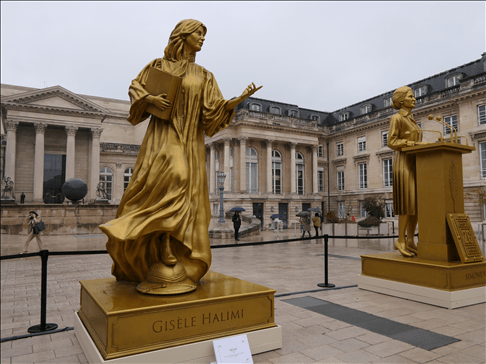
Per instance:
(160,235)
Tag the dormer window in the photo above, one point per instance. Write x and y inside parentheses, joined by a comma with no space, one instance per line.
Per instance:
(344,116)
(255,107)
(388,101)
(420,91)
(274,110)
(293,113)
(365,109)
(453,80)
(314,117)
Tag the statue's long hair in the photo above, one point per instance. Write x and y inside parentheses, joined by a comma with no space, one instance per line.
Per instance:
(175,48)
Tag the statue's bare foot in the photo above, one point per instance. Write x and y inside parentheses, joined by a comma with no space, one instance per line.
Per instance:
(168,258)
(411,247)
(400,246)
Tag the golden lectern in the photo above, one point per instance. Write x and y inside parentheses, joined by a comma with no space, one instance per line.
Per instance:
(449,269)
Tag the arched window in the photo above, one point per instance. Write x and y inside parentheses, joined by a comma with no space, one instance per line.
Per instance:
(251,170)
(127,176)
(255,107)
(106,176)
(299,173)
(293,113)
(276,172)
(314,117)
(274,110)
(365,109)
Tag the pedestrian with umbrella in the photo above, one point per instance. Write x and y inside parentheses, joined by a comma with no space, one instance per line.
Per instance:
(317,223)
(237,220)
(305,222)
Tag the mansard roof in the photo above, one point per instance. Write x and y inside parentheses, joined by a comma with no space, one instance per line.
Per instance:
(435,83)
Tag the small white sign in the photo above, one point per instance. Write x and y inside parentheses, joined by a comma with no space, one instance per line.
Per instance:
(232,350)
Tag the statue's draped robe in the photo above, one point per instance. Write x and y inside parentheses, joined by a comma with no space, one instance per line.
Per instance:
(168,191)
(404,183)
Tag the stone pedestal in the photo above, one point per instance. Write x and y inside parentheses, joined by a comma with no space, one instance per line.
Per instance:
(123,322)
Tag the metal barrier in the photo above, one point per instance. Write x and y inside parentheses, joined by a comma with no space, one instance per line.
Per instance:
(49,328)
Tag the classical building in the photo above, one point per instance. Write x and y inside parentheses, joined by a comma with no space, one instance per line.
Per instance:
(278,158)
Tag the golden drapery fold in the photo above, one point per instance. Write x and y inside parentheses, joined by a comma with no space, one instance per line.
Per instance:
(168,191)
(403,128)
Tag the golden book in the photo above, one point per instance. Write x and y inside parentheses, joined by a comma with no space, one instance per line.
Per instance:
(160,82)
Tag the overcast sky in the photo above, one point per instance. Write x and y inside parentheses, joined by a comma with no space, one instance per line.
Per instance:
(317,55)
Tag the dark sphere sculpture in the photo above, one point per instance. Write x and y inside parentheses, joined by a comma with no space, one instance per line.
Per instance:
(74,189)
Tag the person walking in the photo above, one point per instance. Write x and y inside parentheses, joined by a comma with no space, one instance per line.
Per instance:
(307,226)
(34,220)
(317,223)
(236,224)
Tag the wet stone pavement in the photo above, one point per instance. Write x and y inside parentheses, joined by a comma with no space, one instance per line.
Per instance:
(346,325)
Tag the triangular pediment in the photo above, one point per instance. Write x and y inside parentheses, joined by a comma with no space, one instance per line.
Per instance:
(55,97)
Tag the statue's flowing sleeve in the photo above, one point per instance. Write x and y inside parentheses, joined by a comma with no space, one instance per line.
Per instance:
(137,94)
(214,116)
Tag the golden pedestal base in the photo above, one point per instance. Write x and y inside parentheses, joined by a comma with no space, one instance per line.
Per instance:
(121,321)
(449,276)
(445,284)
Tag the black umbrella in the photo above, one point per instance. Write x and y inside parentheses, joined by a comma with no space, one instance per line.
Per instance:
(303,213)
(274,216)
(237,209)
(314,209)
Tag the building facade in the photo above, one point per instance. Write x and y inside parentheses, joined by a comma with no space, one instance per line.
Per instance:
(278,158)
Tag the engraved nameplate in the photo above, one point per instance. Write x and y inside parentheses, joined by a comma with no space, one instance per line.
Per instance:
(464,238)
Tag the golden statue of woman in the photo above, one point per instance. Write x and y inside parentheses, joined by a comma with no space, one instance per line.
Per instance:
(404,132)
(160,234)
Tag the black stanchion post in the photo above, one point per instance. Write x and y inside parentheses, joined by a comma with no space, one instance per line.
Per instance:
(326,283)
(43,326)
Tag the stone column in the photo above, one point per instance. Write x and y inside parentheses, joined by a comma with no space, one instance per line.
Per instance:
(40,129)
(70,151)
(10,150)
(95,163)
(242,141)
(212,169)
(315,189)
(292,168)
(227,164)
(269,166)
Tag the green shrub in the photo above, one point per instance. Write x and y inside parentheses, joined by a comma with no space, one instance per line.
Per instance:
(374,206)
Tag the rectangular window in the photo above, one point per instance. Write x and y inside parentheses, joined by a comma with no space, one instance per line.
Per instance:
(362,211)
(421,91)
(389,209)
(320,179)
(387,172)
(300,178)
(384,139)
(361,144)
(341,210)
(453,81)
(363,176)
(340,180)
(277,177)
(452,121)
(344,116)
(482,114)
(320,151)
(482,156)
(251,177)
(387,102)
(340,149)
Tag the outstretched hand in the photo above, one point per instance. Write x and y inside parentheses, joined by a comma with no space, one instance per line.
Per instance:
(250,90)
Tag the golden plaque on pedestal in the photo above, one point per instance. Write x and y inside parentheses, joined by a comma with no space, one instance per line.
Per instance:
(122,321)
(464,238)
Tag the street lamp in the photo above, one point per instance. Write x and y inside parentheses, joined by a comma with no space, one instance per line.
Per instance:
(221,177)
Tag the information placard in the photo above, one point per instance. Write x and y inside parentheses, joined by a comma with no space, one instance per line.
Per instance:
(233,349)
